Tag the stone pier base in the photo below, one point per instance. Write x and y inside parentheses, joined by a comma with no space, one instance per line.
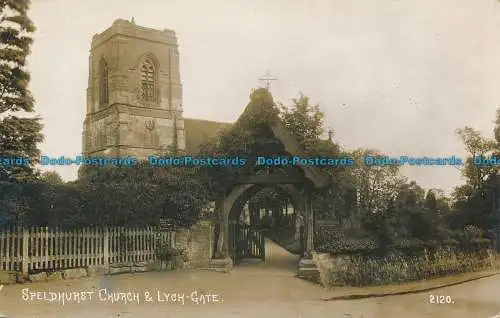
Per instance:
(221,265)
(308,270)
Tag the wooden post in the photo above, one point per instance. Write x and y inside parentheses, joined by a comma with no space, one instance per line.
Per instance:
(25,257)
(219,226)
(251,211)
(256,215)
(225,229)
(309,224)
(46,247)
(86,246)
(12,265)
(57,248)
(106,248)
(210,238)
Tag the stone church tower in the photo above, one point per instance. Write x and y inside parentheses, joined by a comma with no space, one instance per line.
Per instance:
(134,95)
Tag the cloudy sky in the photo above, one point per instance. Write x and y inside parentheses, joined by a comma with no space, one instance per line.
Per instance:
(395,75)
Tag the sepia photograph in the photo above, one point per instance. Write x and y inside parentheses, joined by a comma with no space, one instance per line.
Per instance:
(280,158)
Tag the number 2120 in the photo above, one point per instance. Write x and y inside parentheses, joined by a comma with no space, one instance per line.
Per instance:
(439,299)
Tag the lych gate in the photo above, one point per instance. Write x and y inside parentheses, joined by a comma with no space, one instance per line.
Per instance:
(237,240)
(247,240)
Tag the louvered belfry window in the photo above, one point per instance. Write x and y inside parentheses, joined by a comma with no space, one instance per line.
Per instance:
(148,81)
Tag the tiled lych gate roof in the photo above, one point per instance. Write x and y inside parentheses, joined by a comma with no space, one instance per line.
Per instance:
(198,131)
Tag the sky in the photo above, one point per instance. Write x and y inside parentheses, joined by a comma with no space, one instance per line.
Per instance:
(399,76)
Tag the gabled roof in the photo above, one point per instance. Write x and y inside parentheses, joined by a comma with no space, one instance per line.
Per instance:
(261,108)
(198,131)
(313,173)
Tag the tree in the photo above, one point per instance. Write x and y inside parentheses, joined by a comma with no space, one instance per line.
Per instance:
(431,202)
(303,120)
(443,202)
(18,136)
(496,130)
(15,27)
(477,146)
(378,185)
(425,222)
(473,200)
(51,177)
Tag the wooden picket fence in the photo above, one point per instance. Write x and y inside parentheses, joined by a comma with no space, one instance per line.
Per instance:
(43,248)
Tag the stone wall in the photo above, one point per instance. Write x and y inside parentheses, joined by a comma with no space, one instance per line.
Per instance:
(197,243)
(327,265)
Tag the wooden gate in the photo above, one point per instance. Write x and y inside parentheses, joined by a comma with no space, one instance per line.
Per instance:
(246,242)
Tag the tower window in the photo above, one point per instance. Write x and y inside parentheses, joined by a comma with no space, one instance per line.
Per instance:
(148,81)
(104,92)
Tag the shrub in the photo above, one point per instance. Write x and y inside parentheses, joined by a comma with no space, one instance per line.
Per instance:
(335,241)
(166,253)
(106,197)
(358,270)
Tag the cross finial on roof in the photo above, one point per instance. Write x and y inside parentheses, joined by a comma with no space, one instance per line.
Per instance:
(267,79)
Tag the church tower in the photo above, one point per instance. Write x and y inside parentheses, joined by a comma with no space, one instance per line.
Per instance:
(134,95)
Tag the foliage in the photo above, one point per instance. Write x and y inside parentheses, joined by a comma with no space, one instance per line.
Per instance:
(260,112)
(113,196)
(476,146)
(18,136)
(392,212)
(472,239)
(473,200)
(51,177)
(386,213)
(396,267)
(378,185)
(335,241)
(166,253)
(242,139)
(251,135)
(12,203)
(304,121)
(18,139)
(496,129)
(15,30)
(410,223)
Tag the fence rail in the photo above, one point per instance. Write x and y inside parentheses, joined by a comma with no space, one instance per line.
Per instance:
(43,248)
